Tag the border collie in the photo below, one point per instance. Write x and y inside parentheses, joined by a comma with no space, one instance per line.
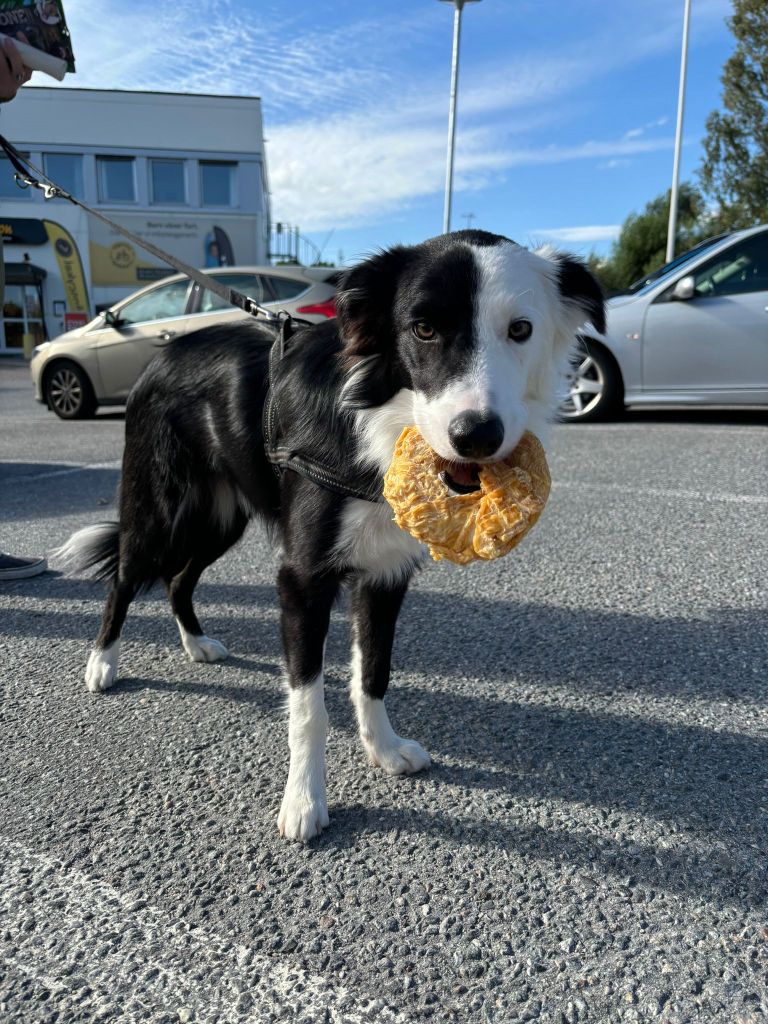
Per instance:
(462,336)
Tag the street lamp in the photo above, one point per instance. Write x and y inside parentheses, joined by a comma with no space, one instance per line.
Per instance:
(672,229)
(458,6)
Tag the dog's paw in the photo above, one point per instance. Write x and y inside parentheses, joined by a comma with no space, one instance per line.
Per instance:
(398,756)
(303,814)
(101,670)
(204,648)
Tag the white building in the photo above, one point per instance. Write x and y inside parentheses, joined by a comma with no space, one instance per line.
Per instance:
(186,172)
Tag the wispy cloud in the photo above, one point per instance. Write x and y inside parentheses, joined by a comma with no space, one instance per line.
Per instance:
(590,233)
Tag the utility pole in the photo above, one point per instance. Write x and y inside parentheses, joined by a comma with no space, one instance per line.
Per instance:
(673,199)
(458,7)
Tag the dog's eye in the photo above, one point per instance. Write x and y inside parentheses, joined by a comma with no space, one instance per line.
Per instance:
(424,331)
(520,330)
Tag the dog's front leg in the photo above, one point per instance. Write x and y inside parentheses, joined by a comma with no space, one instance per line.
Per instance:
(306,600)
(374,615)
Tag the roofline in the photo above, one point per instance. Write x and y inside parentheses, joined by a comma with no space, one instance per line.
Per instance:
(144,92)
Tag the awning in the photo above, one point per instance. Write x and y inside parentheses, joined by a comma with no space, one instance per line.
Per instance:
(24,273)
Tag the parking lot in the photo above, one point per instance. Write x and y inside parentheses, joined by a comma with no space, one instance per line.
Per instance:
(589,845)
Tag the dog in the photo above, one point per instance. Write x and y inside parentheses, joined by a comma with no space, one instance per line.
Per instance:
(462,335)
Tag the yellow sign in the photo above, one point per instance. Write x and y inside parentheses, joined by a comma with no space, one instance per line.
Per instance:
(70,267)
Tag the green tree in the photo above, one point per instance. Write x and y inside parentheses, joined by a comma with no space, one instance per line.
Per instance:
(641,245)
(735,167)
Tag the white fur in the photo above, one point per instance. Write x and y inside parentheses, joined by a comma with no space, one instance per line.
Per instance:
(380,427)
(101,670)
(385,749)
(77,548)
(304,811)
(201,648)
(370,541)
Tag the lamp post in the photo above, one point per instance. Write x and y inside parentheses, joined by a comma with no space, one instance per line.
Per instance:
(458,6)
(672,229)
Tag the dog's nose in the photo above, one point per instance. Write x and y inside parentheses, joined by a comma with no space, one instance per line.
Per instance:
(475,435)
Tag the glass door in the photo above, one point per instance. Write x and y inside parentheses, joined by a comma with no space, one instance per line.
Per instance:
(22,314)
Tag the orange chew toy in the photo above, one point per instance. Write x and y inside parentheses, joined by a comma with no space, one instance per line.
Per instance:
(486,523)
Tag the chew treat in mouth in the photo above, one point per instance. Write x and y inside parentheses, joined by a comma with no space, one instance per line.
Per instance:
(466,510)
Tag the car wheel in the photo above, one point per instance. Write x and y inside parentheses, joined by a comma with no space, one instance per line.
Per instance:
(69,393)
(593,387)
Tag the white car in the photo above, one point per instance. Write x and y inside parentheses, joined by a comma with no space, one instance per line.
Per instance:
(693,333)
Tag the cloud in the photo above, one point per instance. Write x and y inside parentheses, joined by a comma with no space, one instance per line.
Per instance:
(591,233)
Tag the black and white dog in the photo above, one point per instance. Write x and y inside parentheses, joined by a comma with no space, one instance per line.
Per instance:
(462,336)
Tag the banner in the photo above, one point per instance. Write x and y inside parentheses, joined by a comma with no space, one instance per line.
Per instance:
(70,267)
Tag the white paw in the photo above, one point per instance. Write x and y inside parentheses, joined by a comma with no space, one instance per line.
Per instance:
(204,648)
(304,812)
(398,756)
(101,670)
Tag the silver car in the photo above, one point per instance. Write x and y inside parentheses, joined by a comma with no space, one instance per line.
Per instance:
(694,333)
(99,363)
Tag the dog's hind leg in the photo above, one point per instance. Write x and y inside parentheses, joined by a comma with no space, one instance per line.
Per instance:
(374,615)
(306,599)
(212,538)
(101,670)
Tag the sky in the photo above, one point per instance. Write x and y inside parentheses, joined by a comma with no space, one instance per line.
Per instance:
(566,108)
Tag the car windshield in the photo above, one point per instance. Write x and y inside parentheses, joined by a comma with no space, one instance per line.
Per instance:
(639,286)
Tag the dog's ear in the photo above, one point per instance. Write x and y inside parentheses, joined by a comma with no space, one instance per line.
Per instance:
(364,302)
(581,291)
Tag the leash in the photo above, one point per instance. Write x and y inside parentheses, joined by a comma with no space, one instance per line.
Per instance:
(278,448)
(25,178)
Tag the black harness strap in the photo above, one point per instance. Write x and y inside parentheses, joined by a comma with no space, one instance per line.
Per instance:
(283,455)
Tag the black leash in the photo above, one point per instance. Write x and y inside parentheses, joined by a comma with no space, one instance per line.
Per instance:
(25,178)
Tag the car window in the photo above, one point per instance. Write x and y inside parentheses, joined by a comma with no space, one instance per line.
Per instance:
(286,287)
(250,284)
(160,304)
(740,269)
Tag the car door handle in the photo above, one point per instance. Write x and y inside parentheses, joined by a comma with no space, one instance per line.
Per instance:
(166,335)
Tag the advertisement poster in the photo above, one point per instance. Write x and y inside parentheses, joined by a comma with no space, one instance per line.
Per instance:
(202,241)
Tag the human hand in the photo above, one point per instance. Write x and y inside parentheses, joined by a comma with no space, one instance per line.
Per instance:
(13,71)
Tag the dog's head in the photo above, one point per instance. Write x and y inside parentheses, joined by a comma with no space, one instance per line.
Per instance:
(475,326)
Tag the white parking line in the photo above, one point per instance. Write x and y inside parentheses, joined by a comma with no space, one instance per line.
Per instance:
(66,471)
(662,492)
(66,931)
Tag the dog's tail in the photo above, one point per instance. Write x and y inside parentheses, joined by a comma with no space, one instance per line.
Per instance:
(95,548)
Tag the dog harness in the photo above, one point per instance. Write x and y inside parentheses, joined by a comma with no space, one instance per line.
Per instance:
(291,443)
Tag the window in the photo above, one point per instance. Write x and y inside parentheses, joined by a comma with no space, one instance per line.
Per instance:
(742,268)
(248,284)
(116,180)
(160,304)
(66,169)
(8,187)
(217,182)
(168,181)
(286,288)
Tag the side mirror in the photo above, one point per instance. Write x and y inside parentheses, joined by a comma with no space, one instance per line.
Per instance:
(685,289)
(111,319)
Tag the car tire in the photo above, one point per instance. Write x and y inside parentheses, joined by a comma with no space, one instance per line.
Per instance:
(594,388)
(68,391)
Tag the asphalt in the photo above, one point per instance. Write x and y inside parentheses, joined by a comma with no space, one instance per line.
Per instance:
(589,845)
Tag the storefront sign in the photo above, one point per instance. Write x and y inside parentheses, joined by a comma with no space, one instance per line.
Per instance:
(72,320)
(22,231)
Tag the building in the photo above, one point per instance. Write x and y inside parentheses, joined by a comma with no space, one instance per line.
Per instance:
(186,172)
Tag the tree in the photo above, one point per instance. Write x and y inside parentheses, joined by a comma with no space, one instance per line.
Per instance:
(735,167)
(641,245)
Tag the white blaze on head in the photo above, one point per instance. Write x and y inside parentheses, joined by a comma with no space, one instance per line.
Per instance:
(504,378)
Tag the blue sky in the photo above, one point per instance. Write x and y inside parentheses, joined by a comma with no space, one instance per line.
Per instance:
(566,107)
